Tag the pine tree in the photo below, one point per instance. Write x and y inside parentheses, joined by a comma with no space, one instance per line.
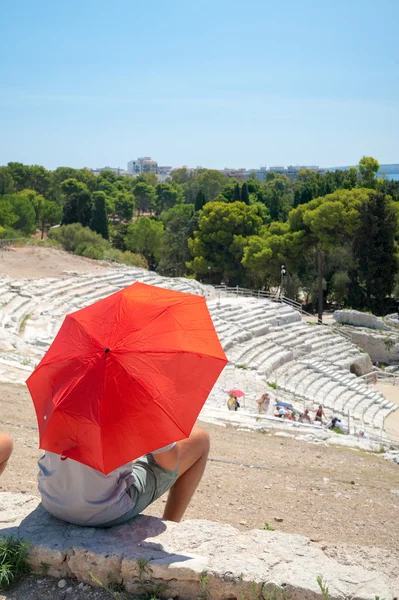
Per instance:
(99,220)
(237,193)
(244,194)
(200,201)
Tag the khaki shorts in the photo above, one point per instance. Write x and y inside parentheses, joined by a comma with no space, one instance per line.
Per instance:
(151,482)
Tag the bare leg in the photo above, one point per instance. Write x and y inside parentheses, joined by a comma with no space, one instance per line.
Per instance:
(5,450)
(191,456)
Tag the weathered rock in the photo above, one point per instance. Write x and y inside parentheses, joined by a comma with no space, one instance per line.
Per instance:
(359,319)
(361,365)
(180,556)
(381,348)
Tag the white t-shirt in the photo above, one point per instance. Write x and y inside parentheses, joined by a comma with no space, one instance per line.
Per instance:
(81,495)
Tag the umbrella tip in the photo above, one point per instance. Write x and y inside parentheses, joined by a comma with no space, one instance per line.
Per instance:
(106,350)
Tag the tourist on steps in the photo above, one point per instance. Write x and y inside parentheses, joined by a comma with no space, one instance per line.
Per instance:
(263,403)
(320,414)
(232,402)
(305,417)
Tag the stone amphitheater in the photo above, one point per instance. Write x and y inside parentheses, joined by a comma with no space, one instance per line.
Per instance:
(266,342)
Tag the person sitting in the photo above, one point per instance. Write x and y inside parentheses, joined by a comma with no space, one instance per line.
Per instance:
(335,424)
(6,448)
(305,417)
(282,412)
(78,494)
(320,414)
(290,415)
(263,403)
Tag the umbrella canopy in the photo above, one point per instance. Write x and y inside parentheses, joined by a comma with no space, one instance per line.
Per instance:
(126,375)
(237,393)
(284,404)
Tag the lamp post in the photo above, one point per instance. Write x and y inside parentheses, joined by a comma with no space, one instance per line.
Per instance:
(283,272)
(209,274)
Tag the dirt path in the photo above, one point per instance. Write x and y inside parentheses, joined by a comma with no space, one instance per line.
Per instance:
(35,261)
(328,494)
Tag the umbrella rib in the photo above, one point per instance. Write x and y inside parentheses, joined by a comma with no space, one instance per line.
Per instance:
(59,360)
(117,312)
(133,351)
(56,359)
(93,339)
(147,325)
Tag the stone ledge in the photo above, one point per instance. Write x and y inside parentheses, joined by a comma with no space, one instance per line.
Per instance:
(178,555)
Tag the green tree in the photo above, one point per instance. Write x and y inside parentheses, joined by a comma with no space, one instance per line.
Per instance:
(145,236)
(266,252)
(350,180)
(368,168)
(244,194)
(20,174)
(200,200)
(6,181)
(145,197)
(77,203)
(99,220)
(39,180)
(375,249)
(237,193)
(166,196)
(7,214)
(124,206)
(49,213)
(175,252)
(324,224)
(278,197)
(211,182)
(23,208)
(217,246)
(307,186)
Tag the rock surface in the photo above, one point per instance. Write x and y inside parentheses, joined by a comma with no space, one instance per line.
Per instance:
(359,319)
(381,348)
(178,557)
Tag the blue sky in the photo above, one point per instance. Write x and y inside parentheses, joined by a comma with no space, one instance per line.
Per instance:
(215,83)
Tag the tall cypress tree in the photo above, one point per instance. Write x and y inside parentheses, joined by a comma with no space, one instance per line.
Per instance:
(375,251)
(99,220)
(244,193)
(200,201)
(237,193)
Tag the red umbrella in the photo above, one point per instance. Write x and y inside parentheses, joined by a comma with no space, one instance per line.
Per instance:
(237,393)
(126,375)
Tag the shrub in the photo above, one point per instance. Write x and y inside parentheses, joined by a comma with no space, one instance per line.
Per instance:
(13,561)
(133,260)
(71,236)
(9,233)
(113,255)
(89,250)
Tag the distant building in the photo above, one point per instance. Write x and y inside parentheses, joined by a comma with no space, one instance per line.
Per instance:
(234,173)
(261,173)
(115,170)
(164,170)
(142,165)
(277,169)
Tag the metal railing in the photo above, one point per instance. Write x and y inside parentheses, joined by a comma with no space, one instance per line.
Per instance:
(276,297)
(374,376)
